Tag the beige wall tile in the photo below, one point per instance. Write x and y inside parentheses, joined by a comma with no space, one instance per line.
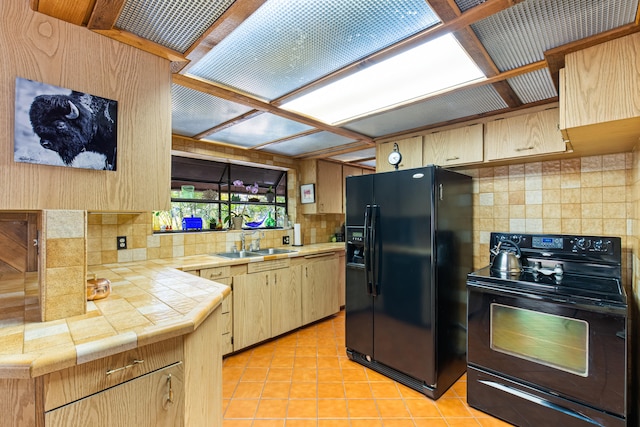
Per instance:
(64,224)
(65,252)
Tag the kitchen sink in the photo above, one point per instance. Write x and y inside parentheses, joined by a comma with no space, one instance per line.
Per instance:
(240,254)
(273,251)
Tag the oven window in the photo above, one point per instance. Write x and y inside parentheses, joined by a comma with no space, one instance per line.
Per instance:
(555,341)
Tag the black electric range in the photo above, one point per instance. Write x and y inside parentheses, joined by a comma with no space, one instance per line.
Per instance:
(548,345)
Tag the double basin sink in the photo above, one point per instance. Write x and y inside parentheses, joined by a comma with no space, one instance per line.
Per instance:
(259,252)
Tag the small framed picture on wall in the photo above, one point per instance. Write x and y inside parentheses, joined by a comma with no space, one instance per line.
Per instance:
(307,193)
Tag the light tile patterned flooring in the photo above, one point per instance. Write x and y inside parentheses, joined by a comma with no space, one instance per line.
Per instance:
(304,379)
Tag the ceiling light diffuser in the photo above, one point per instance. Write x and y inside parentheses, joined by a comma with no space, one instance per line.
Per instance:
(425,70)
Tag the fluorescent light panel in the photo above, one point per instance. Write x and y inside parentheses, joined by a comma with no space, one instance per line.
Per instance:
(424,70)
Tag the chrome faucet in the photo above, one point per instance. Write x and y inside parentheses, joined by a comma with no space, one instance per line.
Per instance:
(242,247)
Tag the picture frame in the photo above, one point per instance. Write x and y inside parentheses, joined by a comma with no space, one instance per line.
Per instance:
(59,126)
(307,193)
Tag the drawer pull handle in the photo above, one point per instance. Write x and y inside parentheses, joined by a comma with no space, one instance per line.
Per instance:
(131,365)
(219,273)
(530,147)
(448,159)
(169,394)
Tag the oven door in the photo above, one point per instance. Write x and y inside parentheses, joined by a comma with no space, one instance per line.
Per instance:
(573,351)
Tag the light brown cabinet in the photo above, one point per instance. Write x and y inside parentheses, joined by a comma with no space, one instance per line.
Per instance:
(223,275)
(524,135)
(320,287)
(267,302)
(154,399)
(599,104)
(454,147)
(410,148)
(327,179)
(286,301)
(252,309)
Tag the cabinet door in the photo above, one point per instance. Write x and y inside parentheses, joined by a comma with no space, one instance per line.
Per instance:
(599,89)
(286,301)
(525,135)
(142,402)
(454,147)
(329,187)
(327,177)
(410,148)
(320,288)
(251,309)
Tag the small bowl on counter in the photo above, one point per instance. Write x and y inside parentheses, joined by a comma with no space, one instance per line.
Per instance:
(98,288)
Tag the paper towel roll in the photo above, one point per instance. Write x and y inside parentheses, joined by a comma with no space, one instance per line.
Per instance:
(297,237)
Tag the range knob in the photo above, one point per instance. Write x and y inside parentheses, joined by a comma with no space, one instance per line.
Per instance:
(582,243)
(601,245)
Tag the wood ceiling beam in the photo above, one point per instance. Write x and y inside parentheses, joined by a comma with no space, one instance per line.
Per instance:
(448,10)
(230,95)
(224,25)
(239,119)
(105,14)
(333,151)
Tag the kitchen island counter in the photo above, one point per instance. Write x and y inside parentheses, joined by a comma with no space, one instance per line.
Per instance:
(150,301)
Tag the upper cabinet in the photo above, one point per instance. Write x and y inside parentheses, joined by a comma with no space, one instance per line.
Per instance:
(524,135)
(410,148)
(453,147)
(327,179)
(599,103)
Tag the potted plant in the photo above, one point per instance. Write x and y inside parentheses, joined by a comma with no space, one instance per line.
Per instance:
(270,194)
(235,218)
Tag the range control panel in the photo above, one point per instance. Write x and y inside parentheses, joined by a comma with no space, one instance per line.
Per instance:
(561,244)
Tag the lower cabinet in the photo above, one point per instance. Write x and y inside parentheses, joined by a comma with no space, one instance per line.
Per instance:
(266,304)
(274,297)
(286,302)
(154,399)
(252,309)
(320,287)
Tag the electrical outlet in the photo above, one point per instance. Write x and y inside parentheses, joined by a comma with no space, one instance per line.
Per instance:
(122,242)
(285,240)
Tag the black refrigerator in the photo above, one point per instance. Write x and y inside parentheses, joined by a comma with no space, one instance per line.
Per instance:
(409,250)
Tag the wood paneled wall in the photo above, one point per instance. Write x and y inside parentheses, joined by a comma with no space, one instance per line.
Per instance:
(37,47)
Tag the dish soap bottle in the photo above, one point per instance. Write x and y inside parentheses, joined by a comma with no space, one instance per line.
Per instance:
(269,222)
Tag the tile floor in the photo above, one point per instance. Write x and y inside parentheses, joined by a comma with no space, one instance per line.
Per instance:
(304,379)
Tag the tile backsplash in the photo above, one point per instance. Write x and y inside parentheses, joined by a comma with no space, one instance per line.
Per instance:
(587,195)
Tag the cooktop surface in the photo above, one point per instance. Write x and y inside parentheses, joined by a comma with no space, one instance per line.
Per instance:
(569,286)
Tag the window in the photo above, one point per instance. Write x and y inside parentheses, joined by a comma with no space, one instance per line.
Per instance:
(207,194)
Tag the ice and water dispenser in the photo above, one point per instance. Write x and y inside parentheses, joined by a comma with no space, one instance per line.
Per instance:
(355,245)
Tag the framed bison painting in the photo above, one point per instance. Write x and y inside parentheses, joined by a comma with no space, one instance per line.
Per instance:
(63,127)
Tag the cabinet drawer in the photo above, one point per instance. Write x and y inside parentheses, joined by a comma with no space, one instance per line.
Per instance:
(142,402)
(74,383)
(216,273)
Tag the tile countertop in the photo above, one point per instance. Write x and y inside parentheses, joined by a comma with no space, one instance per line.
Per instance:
(150,301)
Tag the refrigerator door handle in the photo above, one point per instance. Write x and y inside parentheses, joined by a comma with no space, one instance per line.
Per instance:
(373,250)
(367,249)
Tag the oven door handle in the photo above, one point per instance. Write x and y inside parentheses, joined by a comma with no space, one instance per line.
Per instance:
(539,401)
